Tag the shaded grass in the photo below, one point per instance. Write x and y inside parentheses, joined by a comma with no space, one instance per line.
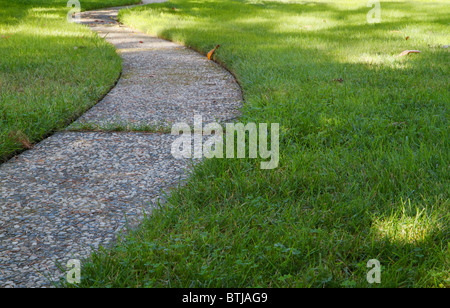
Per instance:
(50,71)
(364,162)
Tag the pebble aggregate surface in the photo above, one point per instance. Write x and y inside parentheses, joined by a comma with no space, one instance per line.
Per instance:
(76,190)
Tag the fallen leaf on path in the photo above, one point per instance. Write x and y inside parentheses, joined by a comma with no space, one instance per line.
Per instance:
(212,52)
(141,42)
(406,52)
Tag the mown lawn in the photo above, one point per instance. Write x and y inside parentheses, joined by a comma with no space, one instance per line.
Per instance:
(364,152)
(50,71)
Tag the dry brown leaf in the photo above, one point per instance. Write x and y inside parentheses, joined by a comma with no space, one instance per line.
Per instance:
(212,52)
(21,138)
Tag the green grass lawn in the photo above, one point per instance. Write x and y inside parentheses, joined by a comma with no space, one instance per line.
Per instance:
(364,152)
(50,71)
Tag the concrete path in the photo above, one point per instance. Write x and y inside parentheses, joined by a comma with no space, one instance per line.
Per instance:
(162,82)
(76,190)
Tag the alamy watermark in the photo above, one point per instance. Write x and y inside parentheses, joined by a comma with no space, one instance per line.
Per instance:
(374,15)
(74,14)
(374,275)
(182,147)
(74,273)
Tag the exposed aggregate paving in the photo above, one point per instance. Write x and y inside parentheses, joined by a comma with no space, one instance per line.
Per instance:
(75,191)
(162,82)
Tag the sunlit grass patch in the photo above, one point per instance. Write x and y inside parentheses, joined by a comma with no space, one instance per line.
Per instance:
(404,228)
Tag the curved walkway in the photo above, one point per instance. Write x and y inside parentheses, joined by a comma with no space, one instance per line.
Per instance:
(77,189)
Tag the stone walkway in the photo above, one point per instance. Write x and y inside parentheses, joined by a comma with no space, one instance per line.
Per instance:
(75,190)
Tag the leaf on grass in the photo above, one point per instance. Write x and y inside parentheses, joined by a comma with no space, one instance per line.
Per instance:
(406,52)
(21,138)
(407,38)
(212,52)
